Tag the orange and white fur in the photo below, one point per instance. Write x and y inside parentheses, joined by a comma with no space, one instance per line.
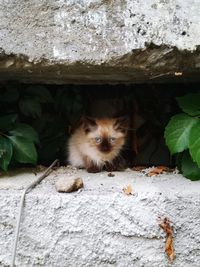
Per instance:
(97,143)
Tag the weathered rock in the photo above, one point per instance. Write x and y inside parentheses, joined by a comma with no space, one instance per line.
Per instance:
(99,40)
(68,184)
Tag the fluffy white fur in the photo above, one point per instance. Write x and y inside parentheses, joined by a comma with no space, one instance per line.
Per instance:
(80,145)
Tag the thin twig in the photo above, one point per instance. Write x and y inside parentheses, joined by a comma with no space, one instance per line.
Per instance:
(26,190)
(160,75)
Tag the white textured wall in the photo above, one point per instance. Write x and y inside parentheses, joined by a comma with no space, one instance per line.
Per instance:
(101,226)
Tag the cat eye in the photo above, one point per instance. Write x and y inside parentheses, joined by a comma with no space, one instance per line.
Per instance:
(98,140)
(112,139)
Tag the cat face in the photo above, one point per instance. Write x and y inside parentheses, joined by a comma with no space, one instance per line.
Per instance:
(106,135)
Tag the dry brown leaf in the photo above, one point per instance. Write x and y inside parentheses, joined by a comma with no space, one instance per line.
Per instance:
(157,170)
(169,248)
(138,168)
(110,174)
(128,190)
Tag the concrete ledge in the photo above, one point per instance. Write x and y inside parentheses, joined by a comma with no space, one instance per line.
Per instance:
(100,226)
(101,41)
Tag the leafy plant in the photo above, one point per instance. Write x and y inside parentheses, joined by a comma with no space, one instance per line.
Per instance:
(33,97)
(21,105)
(35,122)
(182,135)
(17,141)
(54,125)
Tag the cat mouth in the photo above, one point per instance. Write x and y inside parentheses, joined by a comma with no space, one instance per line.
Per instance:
(105,150)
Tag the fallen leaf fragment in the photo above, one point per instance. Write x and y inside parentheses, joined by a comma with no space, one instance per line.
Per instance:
(157,170)
(138,168)
(168,229)
(178,73)
(128,190)
(68,184)
(110,174)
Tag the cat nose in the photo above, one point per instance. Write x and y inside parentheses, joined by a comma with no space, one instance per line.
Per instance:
(105,146)
(105,149)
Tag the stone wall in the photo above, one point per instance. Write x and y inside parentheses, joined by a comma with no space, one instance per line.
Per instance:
(82,41)
(100,226)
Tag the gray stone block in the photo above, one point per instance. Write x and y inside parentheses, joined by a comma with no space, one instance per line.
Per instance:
(100,225)
(99,41)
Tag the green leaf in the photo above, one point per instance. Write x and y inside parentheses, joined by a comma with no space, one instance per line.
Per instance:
(5,152)
(42,93)
(177,132)
(25,131)
(30,107)
(189,168)
(190,104)
(7,122)
(24,150)
(179,161)
(194,143)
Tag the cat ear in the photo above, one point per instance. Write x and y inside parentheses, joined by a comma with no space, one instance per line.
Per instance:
(90,121)
(89,124)
(122,123)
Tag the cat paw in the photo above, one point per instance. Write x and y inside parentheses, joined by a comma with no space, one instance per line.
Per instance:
(116,165)
(109,167)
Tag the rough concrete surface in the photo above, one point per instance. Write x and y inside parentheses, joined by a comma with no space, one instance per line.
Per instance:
(100,225)
(99,40)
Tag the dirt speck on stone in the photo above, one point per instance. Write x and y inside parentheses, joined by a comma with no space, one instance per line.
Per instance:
(68,184)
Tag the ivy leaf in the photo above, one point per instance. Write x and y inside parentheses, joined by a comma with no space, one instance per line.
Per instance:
(30,107)
(190,104)
(24,150)
(177,132)
(189,168)
(5,152)
(41,93)
(25,131)
(194,143)
(7,122)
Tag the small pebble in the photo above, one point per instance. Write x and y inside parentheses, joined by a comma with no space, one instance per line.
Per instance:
(68,184)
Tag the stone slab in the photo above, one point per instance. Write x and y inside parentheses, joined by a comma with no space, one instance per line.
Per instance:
(102,41)
(100,225)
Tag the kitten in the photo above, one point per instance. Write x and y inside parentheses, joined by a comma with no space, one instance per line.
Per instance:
(97,143)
